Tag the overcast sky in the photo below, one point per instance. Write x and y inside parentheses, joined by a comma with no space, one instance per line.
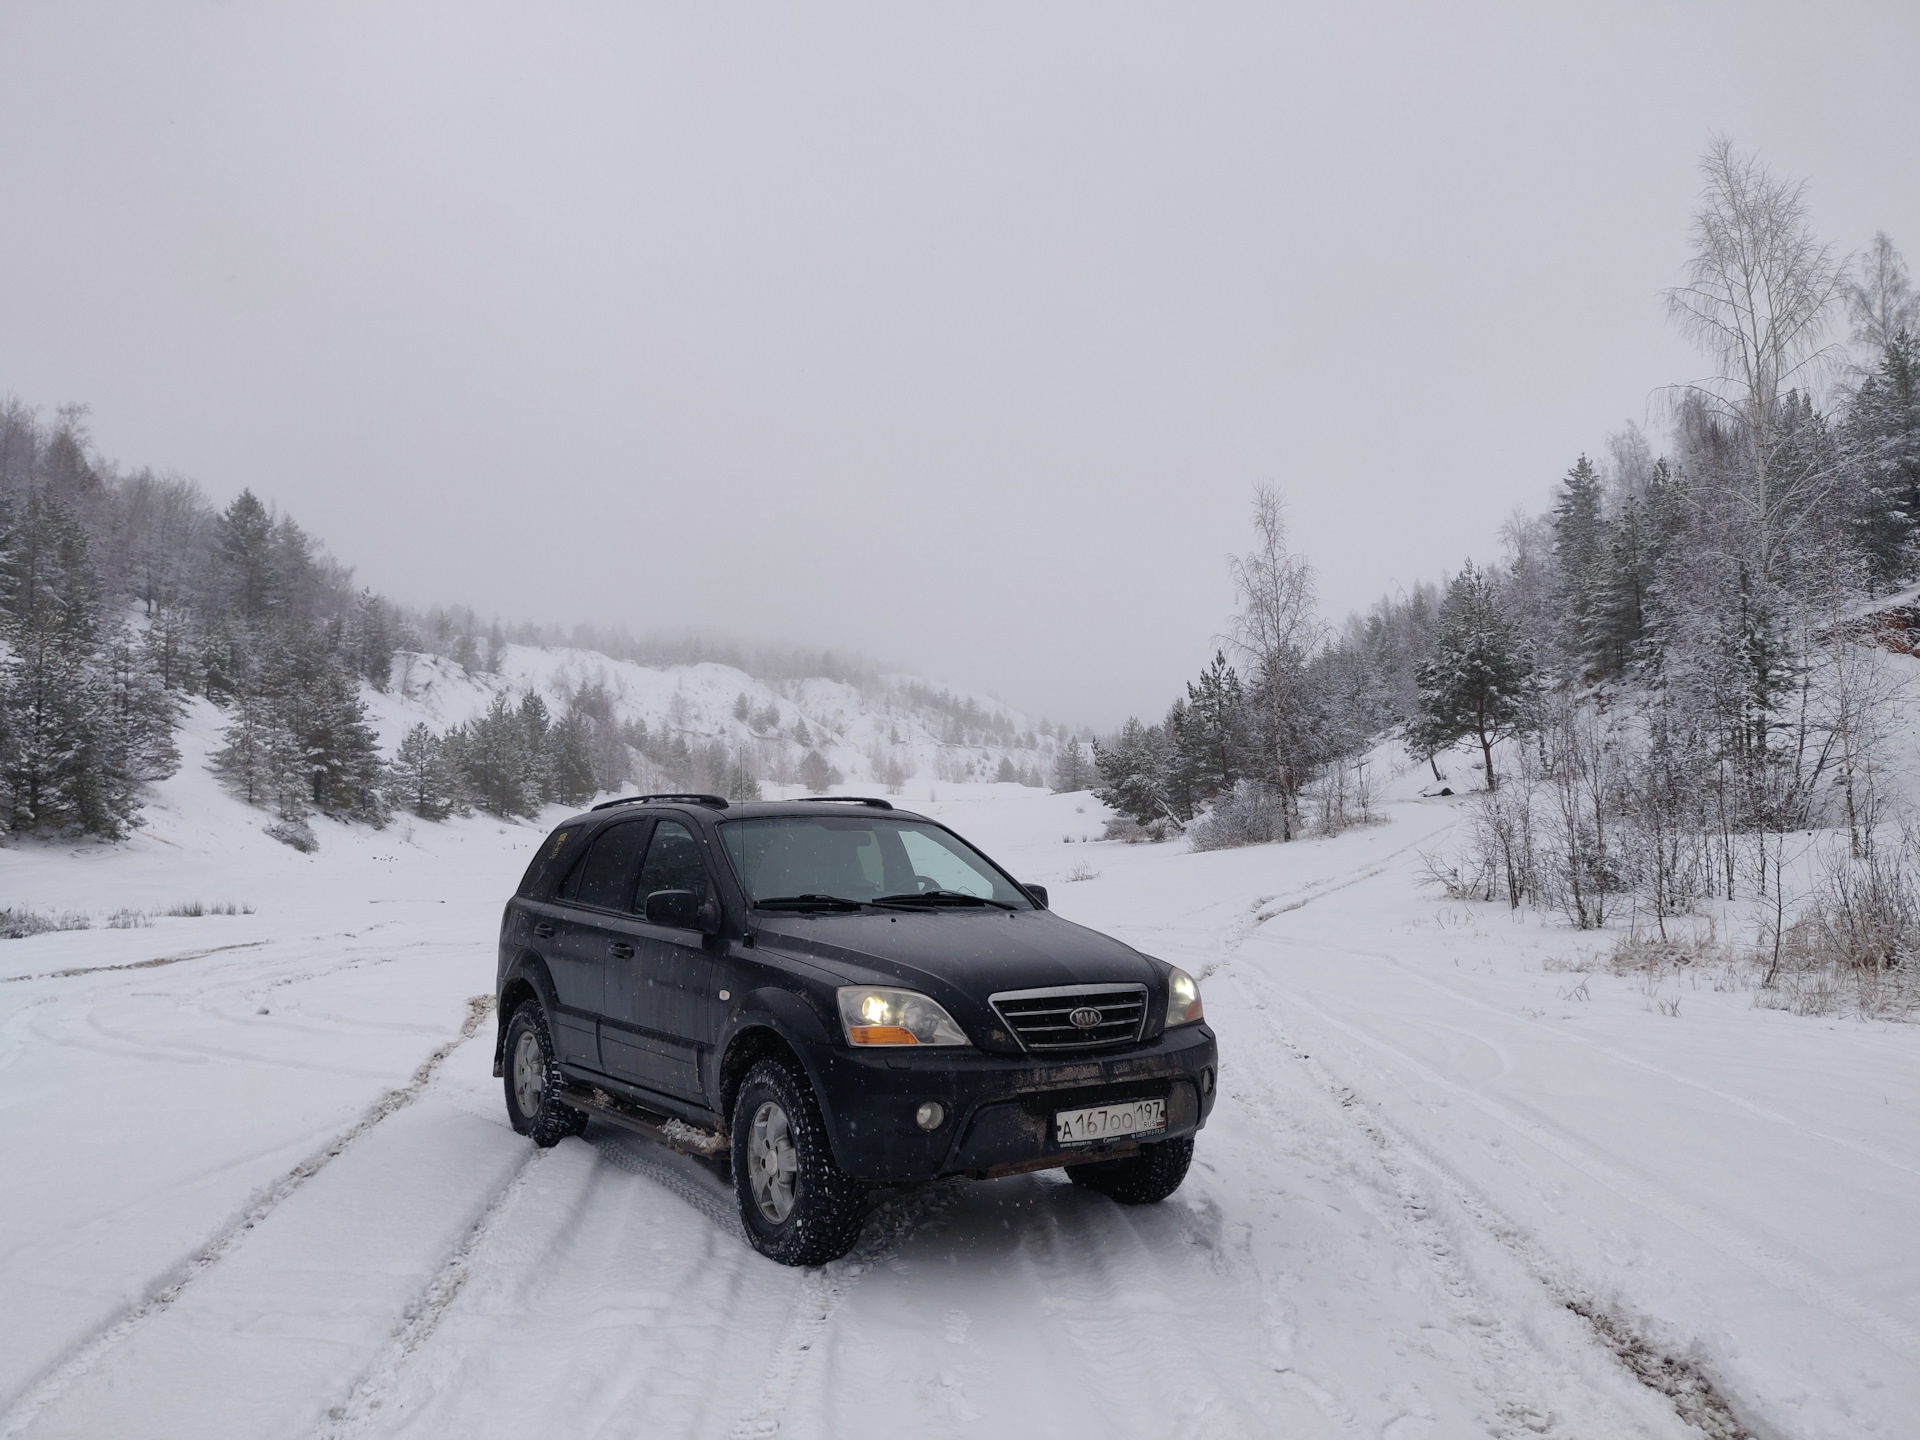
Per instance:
(954,335)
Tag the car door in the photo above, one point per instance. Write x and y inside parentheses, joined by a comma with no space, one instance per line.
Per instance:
(655,1028)
(594,896)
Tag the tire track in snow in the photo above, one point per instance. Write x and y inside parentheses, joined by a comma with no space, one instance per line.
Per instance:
(823,1290)
(123,1045)
(166,1288)
(154,964)
(1318,889)
(1621,1057)
(1695,1398)
(422,1317)
(1779,1270)
(683,1180)
(1503,1368)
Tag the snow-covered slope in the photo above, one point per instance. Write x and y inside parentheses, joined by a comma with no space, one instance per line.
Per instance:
(929,732)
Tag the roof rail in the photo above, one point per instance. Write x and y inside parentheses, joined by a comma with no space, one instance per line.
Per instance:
(712,802)
(872,800)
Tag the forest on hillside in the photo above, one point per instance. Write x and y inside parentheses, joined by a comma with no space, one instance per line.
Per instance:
(122,594)
(1664,677)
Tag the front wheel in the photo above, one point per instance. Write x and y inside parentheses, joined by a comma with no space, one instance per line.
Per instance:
(799,1207)
(533,1081)
(1143,1179)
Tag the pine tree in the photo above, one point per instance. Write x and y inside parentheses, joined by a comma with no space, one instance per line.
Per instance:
(569,760)
(1882,441)
(742,783)
(423,779)
(1133,773)
(1580,548)
(1210,740)
(73,747)
(536,777)
(344,765)
(493,759)
(815,773)
(1480,682)
(1072,770)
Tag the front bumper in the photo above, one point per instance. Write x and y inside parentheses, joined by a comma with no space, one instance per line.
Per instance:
(999,1108)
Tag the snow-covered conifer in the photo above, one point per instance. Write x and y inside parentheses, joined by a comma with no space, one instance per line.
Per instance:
(1480,682)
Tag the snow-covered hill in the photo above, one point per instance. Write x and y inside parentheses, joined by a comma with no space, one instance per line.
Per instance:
(903,725)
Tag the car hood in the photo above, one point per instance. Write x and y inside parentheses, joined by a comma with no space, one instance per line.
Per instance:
(960,957)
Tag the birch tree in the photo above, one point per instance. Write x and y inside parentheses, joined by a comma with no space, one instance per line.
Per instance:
(1760,292)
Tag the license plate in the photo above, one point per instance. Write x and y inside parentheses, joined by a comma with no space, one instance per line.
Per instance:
(1109,1122)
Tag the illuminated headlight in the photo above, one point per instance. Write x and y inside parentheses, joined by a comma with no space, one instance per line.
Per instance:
(1183,999)
(874,1016)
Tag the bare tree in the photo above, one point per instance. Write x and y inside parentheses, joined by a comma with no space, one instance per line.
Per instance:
(1278,629)
(1761,290)
(1881,303)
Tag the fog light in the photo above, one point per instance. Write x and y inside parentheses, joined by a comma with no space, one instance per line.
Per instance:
(929,1115)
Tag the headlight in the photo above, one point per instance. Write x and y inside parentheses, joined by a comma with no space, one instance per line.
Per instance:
(1183,998)
(874,1016)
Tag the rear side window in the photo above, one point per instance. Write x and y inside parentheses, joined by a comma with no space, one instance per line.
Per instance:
(605,878)
(543,859)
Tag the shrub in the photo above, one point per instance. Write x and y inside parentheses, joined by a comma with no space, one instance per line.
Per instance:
(21,923)
(294,832)
(1250,815)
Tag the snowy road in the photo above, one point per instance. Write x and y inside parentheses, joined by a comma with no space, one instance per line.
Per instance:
(267,1188)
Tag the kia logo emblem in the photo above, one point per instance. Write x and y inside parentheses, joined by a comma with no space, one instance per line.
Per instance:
(1086,1017)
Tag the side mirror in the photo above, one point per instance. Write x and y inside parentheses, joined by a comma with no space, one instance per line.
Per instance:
(677,909)
(1038,894)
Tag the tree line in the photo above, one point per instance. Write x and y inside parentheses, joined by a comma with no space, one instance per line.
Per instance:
(122,595)
(1664,675)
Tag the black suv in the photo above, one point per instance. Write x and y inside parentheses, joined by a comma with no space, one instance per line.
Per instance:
(836,995)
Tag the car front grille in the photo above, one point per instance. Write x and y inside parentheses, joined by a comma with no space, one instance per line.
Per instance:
(1043,1019)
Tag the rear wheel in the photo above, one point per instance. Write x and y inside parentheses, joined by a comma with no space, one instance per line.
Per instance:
(1143,1179)
(533,1081)
(798,1206)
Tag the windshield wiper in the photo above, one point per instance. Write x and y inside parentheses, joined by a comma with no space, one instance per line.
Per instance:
(939,897)
(806,902)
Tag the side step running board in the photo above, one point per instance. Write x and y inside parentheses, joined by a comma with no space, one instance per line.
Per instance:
(671,1132)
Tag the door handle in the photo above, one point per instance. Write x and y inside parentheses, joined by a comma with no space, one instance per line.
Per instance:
(622,950)
(544,929)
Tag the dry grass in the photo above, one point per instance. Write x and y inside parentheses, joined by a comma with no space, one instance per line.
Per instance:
(20,922)
(1823,968)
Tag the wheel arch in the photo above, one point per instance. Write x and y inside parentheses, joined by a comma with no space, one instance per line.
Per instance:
(755,1041)
(527,979)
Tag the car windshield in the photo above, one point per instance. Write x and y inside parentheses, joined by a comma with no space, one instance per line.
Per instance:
(809,861)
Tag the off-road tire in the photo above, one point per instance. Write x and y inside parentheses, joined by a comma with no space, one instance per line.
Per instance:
(825,1217)
(1143,1179)
(547,1121)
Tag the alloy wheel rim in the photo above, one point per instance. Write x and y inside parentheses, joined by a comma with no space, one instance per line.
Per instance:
(772,1162)
(529,1073)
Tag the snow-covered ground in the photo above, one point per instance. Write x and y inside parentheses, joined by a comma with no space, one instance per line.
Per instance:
(257,1179)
